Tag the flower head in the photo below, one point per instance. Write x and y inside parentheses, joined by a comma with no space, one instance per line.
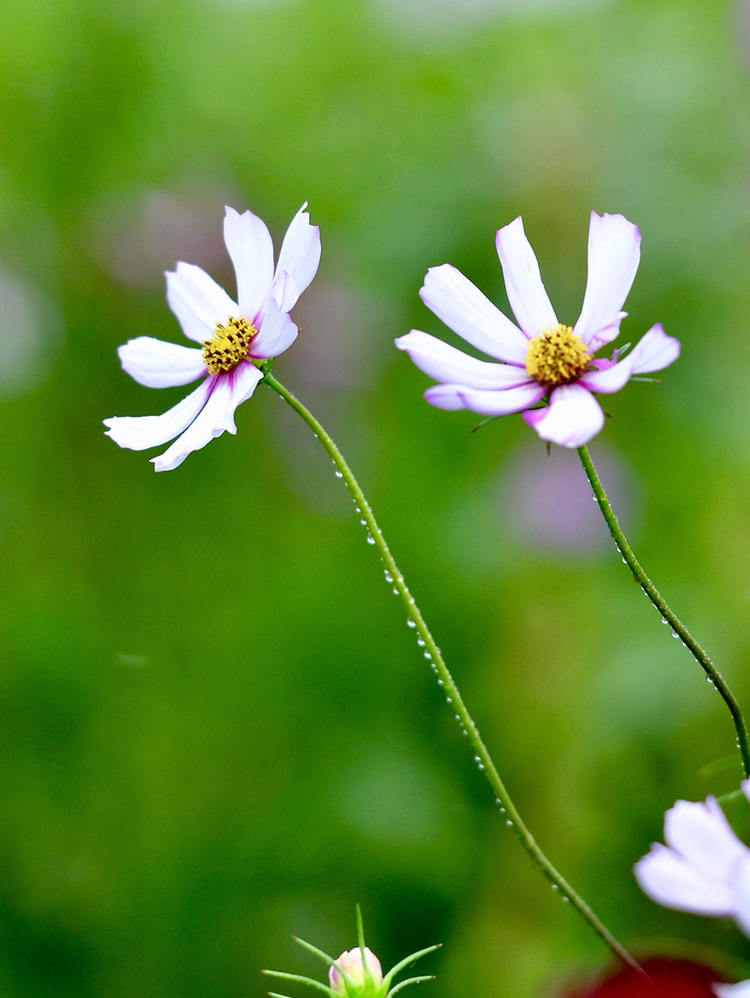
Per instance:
(233,336)
(704,868)
(350,963)
(540,358)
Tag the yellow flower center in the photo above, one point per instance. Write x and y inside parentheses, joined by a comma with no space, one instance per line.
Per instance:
(228,346)
(556,356)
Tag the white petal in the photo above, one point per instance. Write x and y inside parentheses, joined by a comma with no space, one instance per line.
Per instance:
(572,418)
(614,254)
(703,836)
(141,432)
(607,333)
(612,379)
(671,881)
(741,990)
(157,364)
(463,307)
(251,249)
(741,883)
(197,301)
(445,363)
(300,253)
(654,351)
(216,417)
(499,403)
(285,290)
(523,282)
(276,334)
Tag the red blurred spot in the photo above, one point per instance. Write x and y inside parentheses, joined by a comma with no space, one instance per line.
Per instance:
(673,978)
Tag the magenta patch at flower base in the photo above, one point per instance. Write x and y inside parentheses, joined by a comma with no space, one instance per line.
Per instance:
(540,358)
(233,336)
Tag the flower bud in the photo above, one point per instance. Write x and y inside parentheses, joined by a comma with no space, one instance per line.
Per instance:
(350,962)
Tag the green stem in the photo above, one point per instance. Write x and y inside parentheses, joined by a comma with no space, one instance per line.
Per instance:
(668,615)
(445,680)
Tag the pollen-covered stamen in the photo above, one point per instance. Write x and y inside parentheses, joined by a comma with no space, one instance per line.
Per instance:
(556,356)
(229,345)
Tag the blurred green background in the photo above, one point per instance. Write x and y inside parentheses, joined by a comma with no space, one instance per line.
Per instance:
(215,728)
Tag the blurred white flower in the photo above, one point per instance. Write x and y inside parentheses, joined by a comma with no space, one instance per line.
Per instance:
(704,868)
(350,962)
(233,336)
(29,334)
(741,990)
(542,359)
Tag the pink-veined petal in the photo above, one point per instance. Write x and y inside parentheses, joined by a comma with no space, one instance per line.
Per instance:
(276,334)
(445,363)
(608,333)
(654,351)
(142,432)
(613,257)
(571,419)
(740,990)
(216,417)
(251,248)
(671,881)
(158,364)
(487,403)
(701,834)
(465,310)
(523,282)
(609,380)
(300,255)
(197,301)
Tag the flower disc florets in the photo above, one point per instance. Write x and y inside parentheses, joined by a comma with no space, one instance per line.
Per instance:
(556,356)
(229,345)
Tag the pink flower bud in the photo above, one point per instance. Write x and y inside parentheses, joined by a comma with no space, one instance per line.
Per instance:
(350,962)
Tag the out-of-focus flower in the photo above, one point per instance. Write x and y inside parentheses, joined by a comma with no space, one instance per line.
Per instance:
(704,868)
(741,990)
(234,336)
(350,963)
(542,359)
(674,978)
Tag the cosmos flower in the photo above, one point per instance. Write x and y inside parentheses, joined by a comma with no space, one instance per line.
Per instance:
(350,962)
(233,337)
(704,868)
(541,358)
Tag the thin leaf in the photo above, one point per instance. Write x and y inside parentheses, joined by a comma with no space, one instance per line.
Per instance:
(323,956)
(274,994)
(305,980)
(407,960)
(361,939)
(484,423)
(719,765)
(411,980)
(621,351)
(646,381)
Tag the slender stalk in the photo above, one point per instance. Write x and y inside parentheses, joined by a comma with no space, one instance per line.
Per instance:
(668,615)
(445,680)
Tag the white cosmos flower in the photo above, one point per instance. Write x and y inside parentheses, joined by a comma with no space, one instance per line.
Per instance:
(232,335)
(539,357)
(704,868)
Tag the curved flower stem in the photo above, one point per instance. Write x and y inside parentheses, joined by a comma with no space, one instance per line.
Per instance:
(453,697)
(668,615)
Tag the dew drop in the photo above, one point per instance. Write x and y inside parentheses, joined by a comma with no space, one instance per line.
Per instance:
(388,576)
(465,733)
(509,823)
(458,718)
(427,655)
(339,474)
(410,623)
(448,700)
(477,758)
(497,800)
(502,810)
(554,887)
(594,498)
(480,767)
(709,680)
(395,591)
(624,561)
(664,620)
(370,539)
(363,522)
(675,634)
(420,642)
(440,682)
(565,899)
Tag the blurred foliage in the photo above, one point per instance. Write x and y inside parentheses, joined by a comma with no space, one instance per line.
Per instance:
(215,729)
